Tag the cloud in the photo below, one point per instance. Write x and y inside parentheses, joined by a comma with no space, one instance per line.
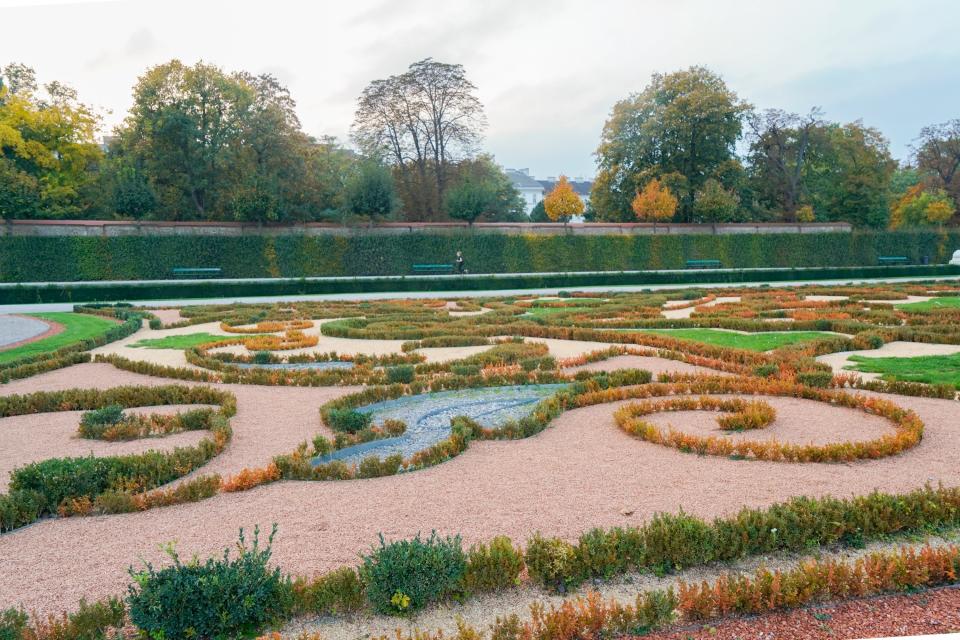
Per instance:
(548,71)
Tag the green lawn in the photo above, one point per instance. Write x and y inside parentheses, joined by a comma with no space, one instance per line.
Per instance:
(927,369)
(763,341)
(544,311)
(185,341)
(77,327)
(931,305)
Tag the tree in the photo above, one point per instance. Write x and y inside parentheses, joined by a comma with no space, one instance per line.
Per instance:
(848,175)
(562,202)
(503,202)
(919,207)
(19,193)
(539,213)
(470,198)
(716,204)
(654,203)
(778,154)
(47,147)
(214,145)
(937,154)
(684,123)
(421,122)
(369,191)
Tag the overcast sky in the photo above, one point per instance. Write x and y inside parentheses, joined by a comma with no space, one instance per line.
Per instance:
(548,71)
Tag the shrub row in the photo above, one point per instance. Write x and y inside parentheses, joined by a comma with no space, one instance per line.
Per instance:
(233,596)
(29,294)
(32,259)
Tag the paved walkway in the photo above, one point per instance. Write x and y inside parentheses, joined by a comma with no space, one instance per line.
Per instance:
(15,329)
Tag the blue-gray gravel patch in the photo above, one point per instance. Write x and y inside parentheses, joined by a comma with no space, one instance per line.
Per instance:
(428,416)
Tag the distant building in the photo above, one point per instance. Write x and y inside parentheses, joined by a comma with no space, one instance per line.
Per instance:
(530,190)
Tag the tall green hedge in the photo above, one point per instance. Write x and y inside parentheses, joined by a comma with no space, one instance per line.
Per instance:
(32,259)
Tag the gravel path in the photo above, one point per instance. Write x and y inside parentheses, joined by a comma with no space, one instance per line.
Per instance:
(581,473)
(652,364)
(17,330)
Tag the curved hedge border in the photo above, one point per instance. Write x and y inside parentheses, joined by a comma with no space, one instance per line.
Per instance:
(111,484)
(909,430)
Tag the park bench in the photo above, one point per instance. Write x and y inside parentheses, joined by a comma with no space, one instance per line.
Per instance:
(703,264)
(433,268)
(202,272)
(886,260)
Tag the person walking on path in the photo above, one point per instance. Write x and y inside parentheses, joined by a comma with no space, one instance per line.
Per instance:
(459,261)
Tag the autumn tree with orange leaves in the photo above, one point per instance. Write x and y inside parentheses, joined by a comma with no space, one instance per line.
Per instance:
(655,203)
(562,203)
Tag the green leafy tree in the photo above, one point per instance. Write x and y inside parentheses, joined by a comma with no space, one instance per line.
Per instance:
(684,123)
(716,204)
(470,198)
(214,145)
(539,213)
(848,175)
(482,189)
(369,191)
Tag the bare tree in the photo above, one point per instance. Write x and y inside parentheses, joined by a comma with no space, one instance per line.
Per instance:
(421,121)
(937,152)
(780,142)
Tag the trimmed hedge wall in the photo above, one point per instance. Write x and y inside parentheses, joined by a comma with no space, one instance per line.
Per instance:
(73,258)
(218,289)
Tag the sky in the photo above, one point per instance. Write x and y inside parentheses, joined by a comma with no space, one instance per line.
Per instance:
(547,71)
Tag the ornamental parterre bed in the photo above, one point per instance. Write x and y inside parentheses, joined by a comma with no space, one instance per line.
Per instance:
(502,423)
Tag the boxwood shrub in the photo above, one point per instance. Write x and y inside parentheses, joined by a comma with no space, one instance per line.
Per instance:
(404,576)
(220,598)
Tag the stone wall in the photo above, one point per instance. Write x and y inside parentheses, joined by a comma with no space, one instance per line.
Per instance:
(135,228)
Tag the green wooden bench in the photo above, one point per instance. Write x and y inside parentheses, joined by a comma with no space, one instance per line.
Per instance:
(433,268)
(202,272)
(703,264)
(887,260)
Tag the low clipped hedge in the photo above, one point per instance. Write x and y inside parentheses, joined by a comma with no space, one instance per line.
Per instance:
(29,294)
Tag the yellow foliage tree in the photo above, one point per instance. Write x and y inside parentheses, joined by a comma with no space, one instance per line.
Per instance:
(562,202)
(919,207)
(655,203)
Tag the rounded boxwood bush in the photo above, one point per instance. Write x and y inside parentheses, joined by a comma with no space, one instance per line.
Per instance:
(220,598)
(404,576)
(348,420)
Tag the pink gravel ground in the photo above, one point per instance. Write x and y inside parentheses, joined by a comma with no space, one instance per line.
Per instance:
(653,365)
(581,473)
(167,316)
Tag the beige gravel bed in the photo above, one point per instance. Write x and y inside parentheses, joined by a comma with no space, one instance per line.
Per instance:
(580,473)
